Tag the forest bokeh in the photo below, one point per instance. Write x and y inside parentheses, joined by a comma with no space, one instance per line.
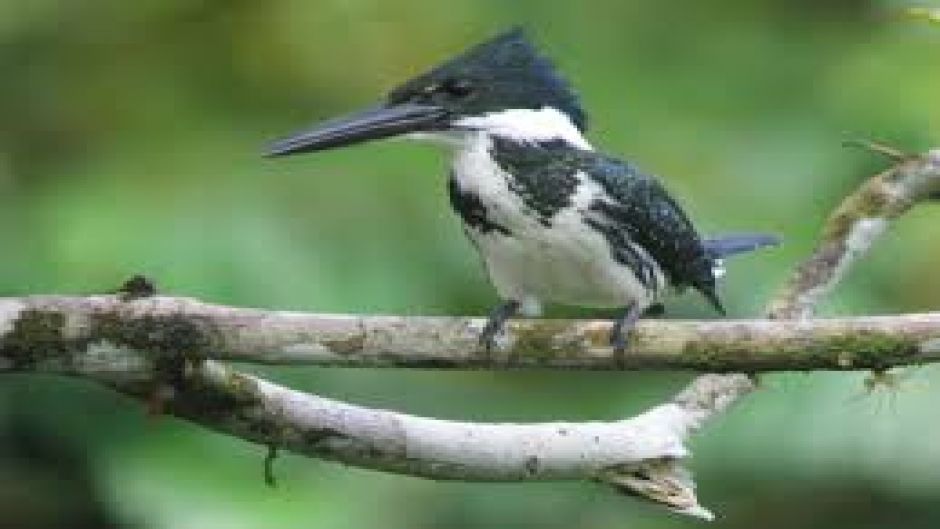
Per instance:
(130,142)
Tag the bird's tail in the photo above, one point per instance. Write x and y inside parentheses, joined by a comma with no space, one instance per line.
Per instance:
(717,248)
(733,244)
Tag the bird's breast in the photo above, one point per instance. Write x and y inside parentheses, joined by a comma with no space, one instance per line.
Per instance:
(547,253)
(480,193)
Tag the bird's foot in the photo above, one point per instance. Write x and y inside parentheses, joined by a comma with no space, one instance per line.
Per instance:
(621,330)
(495,323)
(618,340)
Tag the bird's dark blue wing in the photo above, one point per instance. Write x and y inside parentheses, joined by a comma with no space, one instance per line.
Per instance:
(635,209)
(638,204)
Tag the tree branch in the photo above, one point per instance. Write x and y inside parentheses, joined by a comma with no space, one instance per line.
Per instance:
(52,330)
(170,347)
(848,235)
(854,227)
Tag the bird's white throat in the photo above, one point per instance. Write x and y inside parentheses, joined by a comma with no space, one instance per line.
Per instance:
(522,125)
(527,126)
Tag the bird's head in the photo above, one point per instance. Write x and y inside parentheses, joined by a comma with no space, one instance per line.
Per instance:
(502,87)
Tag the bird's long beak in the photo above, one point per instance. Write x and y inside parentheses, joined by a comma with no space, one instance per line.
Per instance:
(371,124)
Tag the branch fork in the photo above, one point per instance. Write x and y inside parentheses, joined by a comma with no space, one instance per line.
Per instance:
(133,342)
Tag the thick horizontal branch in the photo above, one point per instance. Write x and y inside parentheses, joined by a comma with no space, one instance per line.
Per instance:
(52,329)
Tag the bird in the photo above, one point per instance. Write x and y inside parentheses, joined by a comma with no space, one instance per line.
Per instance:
(553,220)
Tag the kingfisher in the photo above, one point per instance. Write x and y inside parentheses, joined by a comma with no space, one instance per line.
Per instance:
(553,220)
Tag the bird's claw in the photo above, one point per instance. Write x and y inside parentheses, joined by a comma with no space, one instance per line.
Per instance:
(488,337)
(496,322)
(618,340)
(620,333)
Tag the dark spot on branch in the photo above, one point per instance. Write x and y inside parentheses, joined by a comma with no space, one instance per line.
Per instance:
(170,370)
(346,346)
(263,427)
(174,335)
(427,363)
(137,287)
(532,465)
(36,336)
(315,436)
(236,399)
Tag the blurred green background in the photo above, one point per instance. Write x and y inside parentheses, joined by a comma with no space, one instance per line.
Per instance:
(130,135)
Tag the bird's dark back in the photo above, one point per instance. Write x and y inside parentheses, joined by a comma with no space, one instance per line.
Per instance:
(636,205)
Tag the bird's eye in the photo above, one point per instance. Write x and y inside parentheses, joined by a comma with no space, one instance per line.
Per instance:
(458,87)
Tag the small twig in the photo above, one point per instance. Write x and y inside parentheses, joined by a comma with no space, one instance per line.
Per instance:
(876,147)
(269,478)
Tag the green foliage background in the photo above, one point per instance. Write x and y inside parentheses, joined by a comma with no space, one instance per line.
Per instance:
(130,135)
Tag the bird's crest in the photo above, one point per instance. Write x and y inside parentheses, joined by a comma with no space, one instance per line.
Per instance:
(505,72)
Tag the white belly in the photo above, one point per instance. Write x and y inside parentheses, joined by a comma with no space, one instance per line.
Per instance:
(567,262)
